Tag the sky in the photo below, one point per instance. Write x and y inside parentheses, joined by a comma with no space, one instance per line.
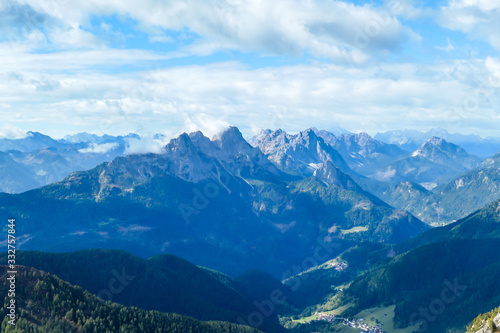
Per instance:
(121,66)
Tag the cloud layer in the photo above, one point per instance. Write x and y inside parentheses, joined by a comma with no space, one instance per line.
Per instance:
(172,66)
(329,29)
(209,97)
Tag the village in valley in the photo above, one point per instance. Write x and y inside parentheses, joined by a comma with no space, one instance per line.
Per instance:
(354,323)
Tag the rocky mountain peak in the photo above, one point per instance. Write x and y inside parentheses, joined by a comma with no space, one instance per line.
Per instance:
(438,150)
(363,138)
(181,143)
(437,141)
(436,146)
(331,175)
(308,133)
(230,139)
(301,153)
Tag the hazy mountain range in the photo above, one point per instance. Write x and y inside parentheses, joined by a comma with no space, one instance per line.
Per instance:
(38,160)
(412,139)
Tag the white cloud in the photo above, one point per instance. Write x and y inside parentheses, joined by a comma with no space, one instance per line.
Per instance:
(87,89)
(73,60)
(12,132)
(161,38)
(408,9)
(75,38)
(460,94)
(208,124)
(145,145)
(478,18)
(331,29)
(386,175)
(99,148)
(492,66)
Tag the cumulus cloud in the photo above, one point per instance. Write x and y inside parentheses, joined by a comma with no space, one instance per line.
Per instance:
(12,132)
(208,124)
(145,145)
(408,9)
(86,89)
(329,29)
(99,148)
(480,19)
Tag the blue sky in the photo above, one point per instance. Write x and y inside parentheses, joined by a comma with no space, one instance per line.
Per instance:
(171,66)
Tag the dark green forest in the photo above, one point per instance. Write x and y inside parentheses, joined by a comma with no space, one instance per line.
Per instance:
(45,303)
(164,283)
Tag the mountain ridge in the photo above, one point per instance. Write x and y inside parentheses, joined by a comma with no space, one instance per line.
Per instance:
(232,203)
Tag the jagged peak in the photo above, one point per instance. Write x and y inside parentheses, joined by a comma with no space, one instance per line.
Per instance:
(364,135)
(309,135)
(232,133)
(197,135)
(436,140)
(266,131)
(309,131)
(231,140)
(183,141)
(271,133)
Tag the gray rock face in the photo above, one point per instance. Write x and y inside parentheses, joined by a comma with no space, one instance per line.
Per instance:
(193,158)
(302,153)
(361,152)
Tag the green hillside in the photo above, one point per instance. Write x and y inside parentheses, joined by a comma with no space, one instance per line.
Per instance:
(482,224)
(164,283)
(449,202)
(455,278)
(317,284)
(44,303)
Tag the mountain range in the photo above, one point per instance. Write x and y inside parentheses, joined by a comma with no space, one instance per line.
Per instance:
(419,182)
(38,160)
(221,195)
(410,140)
(337,217)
